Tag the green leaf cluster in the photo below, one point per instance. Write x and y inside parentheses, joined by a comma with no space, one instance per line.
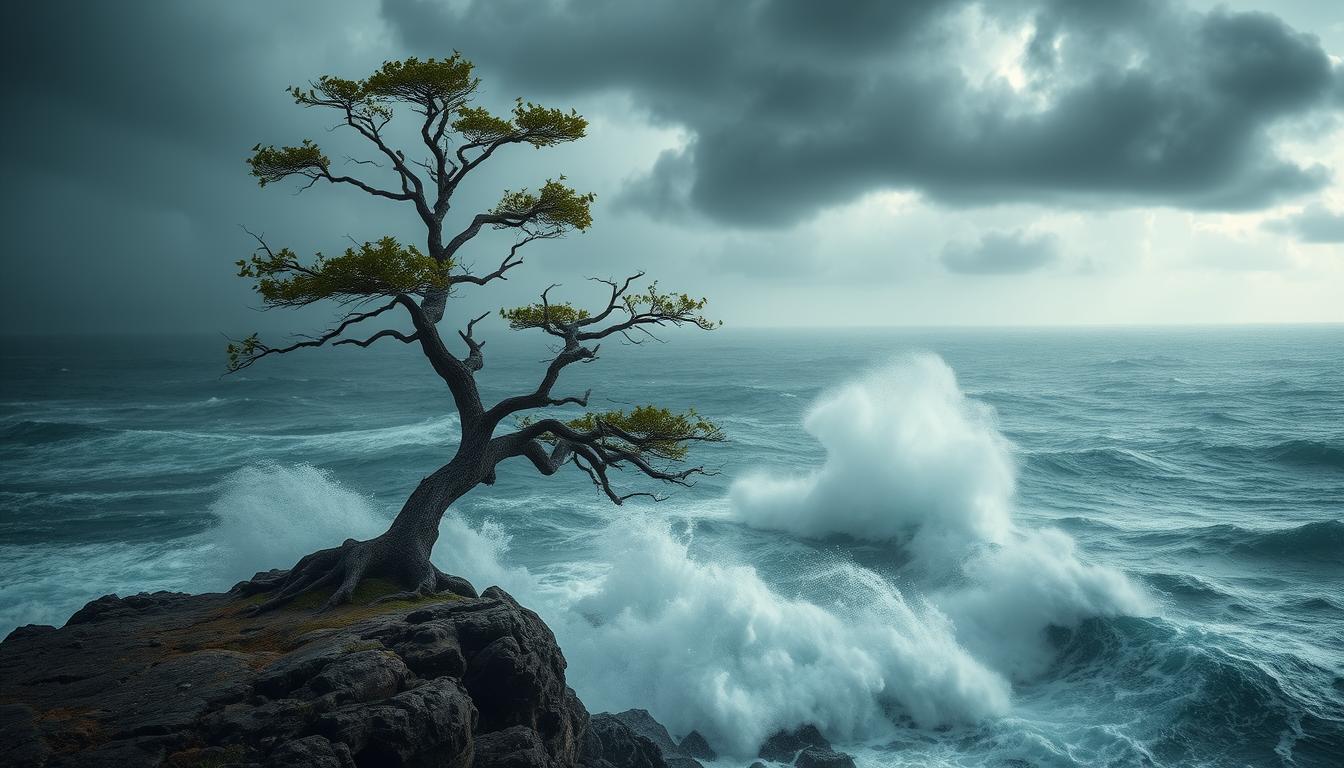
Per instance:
(649,430)
(240,351)
(543,316)
(384,268)
(272,163)
(555,205)
(444,83)
(447,80)
(680,307)
(531,123)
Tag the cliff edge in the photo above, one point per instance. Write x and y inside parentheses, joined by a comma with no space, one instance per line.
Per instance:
(168,679)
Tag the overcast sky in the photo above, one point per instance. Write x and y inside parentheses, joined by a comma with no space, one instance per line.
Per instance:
(799,163)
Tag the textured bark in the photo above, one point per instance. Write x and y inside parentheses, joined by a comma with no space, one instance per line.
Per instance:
(401,554)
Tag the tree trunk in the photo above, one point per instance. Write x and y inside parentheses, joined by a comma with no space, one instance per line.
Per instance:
(400,554)
(416,528)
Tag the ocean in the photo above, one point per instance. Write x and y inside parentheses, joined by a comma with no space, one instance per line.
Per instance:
(1017,547)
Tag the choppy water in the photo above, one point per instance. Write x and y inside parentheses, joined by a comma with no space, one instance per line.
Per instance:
(1016,548)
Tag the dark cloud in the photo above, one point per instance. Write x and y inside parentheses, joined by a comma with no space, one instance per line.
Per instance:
(126,188)
(1002,253)
(1316,224)
(794,106)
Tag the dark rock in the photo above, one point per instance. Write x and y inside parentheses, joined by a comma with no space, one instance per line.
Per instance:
(433,651)
(516,747)
(610,743)
(822,757)
(757,764)
(429,725)
(111,606)
(29,630)
(310,752)
(641,722)
(681,761)
(256,721)
(175,680)
(784,745)
(21,743)
(140,752)
(361,676)
(460,586)
(695,745)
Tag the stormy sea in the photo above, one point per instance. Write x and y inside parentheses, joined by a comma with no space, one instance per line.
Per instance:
(942,547)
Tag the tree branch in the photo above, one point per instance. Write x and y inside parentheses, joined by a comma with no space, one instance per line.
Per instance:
(508,263)
(455,373)
(384,334)
(474,359)
(244,352)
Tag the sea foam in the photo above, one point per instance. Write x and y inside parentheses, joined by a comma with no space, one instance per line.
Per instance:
(913,461)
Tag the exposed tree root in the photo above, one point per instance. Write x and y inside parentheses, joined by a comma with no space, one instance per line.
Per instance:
(341,569)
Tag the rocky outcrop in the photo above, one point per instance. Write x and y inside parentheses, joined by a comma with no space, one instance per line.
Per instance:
(451,681)
(821,757)
(694,745)
(610,743)
(805,747)
(676,755)
(783,746)
(178,680)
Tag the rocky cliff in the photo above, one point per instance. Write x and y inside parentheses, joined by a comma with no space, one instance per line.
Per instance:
(453,681)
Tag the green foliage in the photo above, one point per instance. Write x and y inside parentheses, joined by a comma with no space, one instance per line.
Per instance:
(553,206)
(478,126)
(384,268)
(240,351)
(647,430)
(542,315)
(271,163)
(679,306)
(447,80)
(532,123)
(444,83)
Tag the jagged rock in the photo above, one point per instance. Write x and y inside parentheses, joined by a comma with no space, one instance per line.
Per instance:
(610,743)
(429,725)
(784,745)
(822,757)
(30,630)
(516,747)
(641,722)
(695,745)
(361,676)
(757,764)
(111,606)
(310,752)
(175,680)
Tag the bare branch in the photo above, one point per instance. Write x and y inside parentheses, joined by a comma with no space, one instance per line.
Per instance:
(510,261)
(474,360)
(244,352)
(384,334)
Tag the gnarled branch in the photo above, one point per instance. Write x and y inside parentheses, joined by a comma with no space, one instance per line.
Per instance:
(244,352)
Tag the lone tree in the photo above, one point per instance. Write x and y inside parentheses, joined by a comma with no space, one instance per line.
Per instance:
(381,277)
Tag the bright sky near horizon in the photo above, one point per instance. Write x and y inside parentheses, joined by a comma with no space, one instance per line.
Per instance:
(932,162)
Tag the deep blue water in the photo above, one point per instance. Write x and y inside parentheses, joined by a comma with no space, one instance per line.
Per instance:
(1094,547)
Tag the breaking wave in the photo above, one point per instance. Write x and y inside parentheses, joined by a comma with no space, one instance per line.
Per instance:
(912,460)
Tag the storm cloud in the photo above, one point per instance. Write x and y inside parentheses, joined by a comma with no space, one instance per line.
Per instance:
(791,106)
(1316,224)
(766,153)
(1002,253)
